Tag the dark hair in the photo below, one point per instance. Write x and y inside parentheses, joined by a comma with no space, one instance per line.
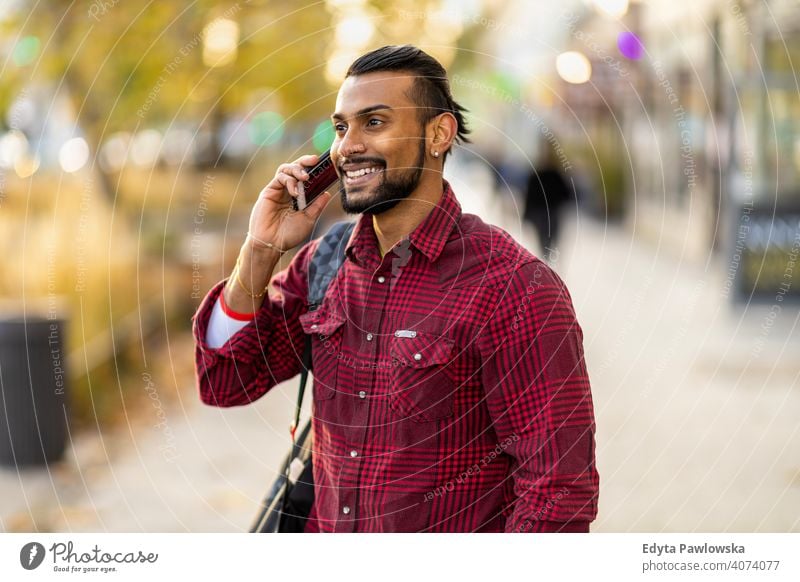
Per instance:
(431,89)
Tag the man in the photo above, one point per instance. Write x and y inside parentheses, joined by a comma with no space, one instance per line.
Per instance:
(450,391)
(546,194)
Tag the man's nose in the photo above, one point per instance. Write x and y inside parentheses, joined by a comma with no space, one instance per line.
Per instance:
(351,143)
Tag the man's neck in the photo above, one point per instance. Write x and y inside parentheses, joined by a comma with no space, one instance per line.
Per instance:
(392,226)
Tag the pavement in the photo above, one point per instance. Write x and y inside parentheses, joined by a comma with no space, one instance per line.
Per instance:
(697,403)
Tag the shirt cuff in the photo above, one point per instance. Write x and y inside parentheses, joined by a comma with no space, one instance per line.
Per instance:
(222,326)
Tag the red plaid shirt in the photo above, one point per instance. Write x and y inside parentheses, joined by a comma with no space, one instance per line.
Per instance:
(450,391)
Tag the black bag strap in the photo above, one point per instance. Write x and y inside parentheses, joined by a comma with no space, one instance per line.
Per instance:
(325,263)
(306,359)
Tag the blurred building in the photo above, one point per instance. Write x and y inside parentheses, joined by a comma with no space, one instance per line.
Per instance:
(696,140)
(717,145)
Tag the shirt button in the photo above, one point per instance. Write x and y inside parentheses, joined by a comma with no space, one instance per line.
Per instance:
(418,356)
(354,453)
(369,337)
(362,394)
(346,509)
(381,279)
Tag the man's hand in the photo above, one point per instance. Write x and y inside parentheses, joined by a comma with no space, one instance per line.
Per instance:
(272,221)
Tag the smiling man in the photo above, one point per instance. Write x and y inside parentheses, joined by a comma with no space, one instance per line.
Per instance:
(450,390)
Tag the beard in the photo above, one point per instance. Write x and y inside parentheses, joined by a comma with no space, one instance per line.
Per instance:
(390,191)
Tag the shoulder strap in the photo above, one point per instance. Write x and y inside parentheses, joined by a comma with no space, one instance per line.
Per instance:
(326,261)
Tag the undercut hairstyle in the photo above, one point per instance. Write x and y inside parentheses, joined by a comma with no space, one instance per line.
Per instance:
(430,90)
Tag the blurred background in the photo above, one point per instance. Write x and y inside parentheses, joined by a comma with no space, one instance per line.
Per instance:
(649,150)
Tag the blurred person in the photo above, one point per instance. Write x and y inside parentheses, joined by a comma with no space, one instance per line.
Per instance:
(545,195)
(450,391)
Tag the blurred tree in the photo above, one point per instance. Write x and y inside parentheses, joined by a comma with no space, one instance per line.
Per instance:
(127,66)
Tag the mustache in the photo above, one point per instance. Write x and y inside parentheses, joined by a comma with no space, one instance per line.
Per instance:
(361,160)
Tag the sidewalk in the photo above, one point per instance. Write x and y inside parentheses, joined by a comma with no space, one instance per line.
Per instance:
(698,423)
(697,405)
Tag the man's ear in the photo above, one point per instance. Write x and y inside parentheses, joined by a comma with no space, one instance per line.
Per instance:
(444,128)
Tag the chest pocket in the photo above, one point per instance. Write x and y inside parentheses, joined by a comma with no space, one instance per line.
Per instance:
(422,387)
(326,329)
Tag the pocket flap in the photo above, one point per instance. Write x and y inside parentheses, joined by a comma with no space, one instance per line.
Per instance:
(422,350)
(321,322)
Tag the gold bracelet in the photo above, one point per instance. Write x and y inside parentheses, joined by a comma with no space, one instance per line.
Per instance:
(269,245)
(245,289)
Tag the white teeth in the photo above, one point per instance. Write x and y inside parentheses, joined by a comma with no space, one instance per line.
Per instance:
(361,172)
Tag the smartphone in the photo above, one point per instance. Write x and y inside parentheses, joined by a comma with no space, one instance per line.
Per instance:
(320,178)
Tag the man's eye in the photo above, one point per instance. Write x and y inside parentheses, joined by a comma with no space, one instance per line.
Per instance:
(374,122)
(339,127)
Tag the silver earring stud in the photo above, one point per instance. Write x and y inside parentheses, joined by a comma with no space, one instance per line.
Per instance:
(435,154)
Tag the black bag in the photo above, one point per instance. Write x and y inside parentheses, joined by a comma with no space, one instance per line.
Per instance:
(288,502)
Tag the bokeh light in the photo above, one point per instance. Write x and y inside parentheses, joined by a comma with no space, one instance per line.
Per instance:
(114,152)
(613,8)
(12,145)
(25,166)
(323,136)
(145,147)
(338,63)
(26,51)
(630,46)
(73,155)
(354,31)
(220,41)
(266,128)
(574,67)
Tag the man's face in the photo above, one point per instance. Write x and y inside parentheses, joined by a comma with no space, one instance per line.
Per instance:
(379,149)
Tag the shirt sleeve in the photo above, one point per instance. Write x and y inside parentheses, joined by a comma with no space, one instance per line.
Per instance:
(539,398)
(264,352)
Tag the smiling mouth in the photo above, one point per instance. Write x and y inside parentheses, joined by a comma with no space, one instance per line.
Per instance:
(361,176)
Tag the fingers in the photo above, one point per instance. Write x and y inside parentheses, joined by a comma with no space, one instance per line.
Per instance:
(287,181)
(307,160)
(290,176)
(294,169)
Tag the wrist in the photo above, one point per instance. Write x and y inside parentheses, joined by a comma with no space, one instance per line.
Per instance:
(235,300)
(232,313)
(246,288)
(257,257)
(262,247)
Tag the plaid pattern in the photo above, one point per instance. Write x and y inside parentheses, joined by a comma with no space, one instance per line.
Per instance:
(450,390)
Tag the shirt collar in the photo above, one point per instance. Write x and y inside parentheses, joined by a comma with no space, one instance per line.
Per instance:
(429,237)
